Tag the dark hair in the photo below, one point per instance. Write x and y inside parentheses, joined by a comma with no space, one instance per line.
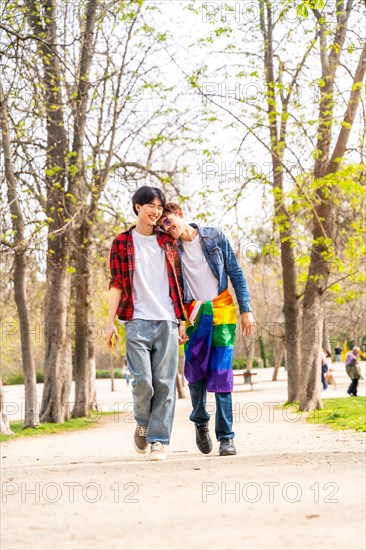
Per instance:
(172,208)
(145,195)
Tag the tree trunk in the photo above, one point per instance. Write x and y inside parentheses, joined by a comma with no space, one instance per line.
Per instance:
(277,130)
(82,374)
(312,334)
(57,364)
(111,366)
(31,415)
(278,359)
(180,389)
(250,354)
(4,423)
(180,377)
(326,336)
(92,368)
(31,419)
(313,305)
(292,354)
(324,211)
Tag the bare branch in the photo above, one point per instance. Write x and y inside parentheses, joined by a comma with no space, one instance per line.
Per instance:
(350,113)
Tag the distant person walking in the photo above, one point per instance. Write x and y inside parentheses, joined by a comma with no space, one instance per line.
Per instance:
(338,353)
(324,369)
(329,377)
(126,373)
(353,370)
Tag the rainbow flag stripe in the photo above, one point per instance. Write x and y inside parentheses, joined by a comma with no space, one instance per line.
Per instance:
(210,349)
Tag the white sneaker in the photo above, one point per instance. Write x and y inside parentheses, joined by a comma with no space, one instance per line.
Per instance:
(157,451)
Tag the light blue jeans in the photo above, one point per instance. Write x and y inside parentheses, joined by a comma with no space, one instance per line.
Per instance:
(152,358)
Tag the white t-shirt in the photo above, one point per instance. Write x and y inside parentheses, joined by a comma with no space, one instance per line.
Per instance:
(202,284)
(150,281)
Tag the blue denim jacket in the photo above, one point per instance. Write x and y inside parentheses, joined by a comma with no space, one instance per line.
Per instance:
(223,263)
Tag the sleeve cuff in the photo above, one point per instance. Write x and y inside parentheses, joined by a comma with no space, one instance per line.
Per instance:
(115,284)
(245,308)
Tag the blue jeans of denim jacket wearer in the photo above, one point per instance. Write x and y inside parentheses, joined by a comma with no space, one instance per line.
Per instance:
(223,263)
(152,357)
(224,410)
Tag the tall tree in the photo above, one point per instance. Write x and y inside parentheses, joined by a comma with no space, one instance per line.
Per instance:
(97,97)
(42,19)
(278,103)
(31,416)
(327,164)
(290,144)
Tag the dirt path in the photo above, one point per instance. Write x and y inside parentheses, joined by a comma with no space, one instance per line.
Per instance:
(292,485)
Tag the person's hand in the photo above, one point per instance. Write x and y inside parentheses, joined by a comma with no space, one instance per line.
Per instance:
(182,335)
(248,323)
(112,331)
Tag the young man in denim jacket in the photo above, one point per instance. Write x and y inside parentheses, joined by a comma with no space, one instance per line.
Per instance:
(145,294)
(207,262)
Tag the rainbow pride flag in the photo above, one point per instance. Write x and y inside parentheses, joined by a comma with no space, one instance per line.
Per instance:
(210,349)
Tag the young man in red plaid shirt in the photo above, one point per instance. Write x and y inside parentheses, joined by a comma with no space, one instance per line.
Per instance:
(145,294)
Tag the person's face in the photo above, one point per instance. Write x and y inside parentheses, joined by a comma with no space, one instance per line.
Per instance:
(172,224)
(150,213)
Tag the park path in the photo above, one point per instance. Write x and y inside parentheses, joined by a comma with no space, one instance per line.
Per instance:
(292,485)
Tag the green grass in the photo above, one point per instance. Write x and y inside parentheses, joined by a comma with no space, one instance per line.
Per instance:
(48,428)
(18,377)
(345,413)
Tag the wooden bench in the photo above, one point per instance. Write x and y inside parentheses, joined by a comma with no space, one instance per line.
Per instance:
(247,376)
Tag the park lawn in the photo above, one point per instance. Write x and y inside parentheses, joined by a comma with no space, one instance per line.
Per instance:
(47,428)
(344,413)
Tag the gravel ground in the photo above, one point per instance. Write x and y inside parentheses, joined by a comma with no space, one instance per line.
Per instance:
(292,485)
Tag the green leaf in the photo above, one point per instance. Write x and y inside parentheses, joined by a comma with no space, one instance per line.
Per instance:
(302,10)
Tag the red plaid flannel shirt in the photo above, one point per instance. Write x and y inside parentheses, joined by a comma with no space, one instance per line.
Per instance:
(122,265)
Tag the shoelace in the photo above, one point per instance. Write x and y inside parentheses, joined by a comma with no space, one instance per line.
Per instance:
(157,446)
(203,432)
(142,430)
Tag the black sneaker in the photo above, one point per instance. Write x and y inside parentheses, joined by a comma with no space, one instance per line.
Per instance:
(227,447)
(203,439)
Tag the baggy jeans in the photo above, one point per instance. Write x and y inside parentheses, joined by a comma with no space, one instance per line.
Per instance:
(152,358)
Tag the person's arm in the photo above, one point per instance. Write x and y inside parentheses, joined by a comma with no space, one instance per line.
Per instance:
(239,282)
(236,276)
(115,291)
(114,300)
(182,335)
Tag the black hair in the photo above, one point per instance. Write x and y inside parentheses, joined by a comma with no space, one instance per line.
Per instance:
(145,195)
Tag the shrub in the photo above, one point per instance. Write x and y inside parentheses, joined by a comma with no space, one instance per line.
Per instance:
(241,363)
(107,373)
(17,378)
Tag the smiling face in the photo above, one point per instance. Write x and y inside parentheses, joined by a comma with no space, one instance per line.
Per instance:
(150,213)
(173,224)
